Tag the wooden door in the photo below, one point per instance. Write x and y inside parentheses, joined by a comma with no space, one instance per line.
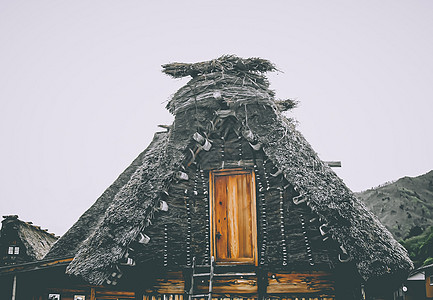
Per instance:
(233,215)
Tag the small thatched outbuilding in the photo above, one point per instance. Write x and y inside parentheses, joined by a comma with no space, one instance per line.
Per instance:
(231,181)
(22,242)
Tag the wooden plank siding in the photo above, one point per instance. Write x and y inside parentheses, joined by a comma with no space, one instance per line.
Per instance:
(280,285)
(171,283)
(233,215)
(311,282)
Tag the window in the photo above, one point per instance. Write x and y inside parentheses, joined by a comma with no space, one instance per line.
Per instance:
(233,216)
(13,250)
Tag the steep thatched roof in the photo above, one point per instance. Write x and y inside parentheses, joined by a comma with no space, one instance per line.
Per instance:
(37,241)
(234,87)
(70,242)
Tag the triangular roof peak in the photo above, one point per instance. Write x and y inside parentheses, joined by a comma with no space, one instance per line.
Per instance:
(228,81)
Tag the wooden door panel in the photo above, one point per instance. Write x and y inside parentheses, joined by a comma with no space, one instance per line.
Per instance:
(234,218)
(232,215)
(221,222)
(244,216)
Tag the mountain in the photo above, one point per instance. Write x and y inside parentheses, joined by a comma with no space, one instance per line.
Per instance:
(405,206)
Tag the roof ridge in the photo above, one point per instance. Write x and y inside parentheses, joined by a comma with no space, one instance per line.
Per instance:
(28,223)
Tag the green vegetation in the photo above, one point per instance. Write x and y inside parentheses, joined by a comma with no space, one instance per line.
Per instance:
(420,247)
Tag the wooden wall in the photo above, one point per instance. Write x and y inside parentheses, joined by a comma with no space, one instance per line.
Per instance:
(308,285)
(171,286)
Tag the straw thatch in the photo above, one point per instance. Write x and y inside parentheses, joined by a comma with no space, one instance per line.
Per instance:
(228,101)
(71,241)
(225,64)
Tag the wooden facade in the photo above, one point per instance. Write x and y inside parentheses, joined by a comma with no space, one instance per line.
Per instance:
(39,284)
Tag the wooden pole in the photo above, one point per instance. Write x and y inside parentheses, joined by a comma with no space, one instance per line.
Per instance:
(14,287)
(92,294)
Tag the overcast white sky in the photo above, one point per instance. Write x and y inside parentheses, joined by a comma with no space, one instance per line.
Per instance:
(81,92)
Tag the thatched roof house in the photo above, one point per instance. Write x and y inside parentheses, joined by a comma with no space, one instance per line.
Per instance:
(22,241)
(233,179)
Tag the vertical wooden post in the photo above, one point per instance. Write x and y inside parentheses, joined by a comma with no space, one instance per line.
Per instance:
(187,273)
(14,287)
(262,283)
(92,294)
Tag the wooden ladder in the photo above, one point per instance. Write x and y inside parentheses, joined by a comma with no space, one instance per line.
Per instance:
(192,294)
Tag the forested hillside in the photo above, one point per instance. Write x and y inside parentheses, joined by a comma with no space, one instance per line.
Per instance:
(405,206)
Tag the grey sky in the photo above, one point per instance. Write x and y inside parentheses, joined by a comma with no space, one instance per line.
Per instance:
(81,92)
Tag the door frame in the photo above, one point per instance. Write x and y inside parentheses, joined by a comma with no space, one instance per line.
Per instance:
(235,171)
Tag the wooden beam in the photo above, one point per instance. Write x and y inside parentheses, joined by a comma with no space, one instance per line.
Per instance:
(166,127)
(38,265)
(245,163)
(333,164)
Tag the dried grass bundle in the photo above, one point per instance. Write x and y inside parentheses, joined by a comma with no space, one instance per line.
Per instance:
(226,63)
